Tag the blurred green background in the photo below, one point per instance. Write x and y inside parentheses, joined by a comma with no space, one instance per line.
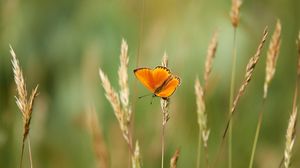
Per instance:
(62,44)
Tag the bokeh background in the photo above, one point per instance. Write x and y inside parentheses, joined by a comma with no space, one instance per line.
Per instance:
(62,44)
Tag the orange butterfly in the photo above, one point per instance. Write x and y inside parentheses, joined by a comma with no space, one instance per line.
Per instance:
(159,80)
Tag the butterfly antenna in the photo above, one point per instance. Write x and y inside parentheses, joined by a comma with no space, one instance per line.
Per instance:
(144,96)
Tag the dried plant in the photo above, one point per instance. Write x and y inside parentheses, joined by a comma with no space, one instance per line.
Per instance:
(202,116)
(211,52)
(202,120)
(165,111)
(270,71)
(235,18)
(200,92)
(165,61)
(120,102)
(136,158)
(235,12)
(98,141)
(24,102)
(123,80)
(272,56)
(113,97)
(291,130)
(174,159)
(290,138)
(249,72)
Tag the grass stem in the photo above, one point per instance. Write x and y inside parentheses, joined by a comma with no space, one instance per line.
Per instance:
(199,150)
(260,118)
(206,156)
(232,86)
(162,145)
(29,150)
(22,152)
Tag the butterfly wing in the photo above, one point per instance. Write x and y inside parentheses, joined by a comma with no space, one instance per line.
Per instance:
(144,75)
(160,75)
(169,87)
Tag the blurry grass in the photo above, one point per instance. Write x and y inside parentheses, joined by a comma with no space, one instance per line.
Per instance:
(56,35)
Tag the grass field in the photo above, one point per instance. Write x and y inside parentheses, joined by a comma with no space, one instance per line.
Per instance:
(237,63)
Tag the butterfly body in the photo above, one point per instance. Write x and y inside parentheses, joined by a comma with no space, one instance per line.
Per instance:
(160,81)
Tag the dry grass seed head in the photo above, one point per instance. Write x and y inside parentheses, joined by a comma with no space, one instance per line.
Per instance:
(235,12)
(249,70)
(123,81)
(29,108)
(25,105)
(165,109)
(21,86)
(199,91)
(165,61)
(291,130)
(120,102)
(174,159)
(202,116)
(113,97)
(290,138)
(272,56)
(211,51)
(136,158)
(123,75)
(165,102)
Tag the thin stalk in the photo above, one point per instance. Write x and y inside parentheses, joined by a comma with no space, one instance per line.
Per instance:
(232,86)
(220,150)
(22,152)
(162,145)
(139,51)
(130,148)
(206,156)
(29,150)
(165,115)
(135,90)
(199,150)
(260,118)
(142,13)
(229,125)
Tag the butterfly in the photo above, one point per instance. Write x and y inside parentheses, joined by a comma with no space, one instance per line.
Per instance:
(160,81)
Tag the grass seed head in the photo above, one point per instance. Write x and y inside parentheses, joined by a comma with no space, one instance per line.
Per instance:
(211,52)
(272,56)
(235,12)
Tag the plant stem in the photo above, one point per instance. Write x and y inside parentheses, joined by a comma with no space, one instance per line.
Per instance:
(232,86)
(141,30)
(162,145)
(165,118)
(206,156)
(230,146)
(22,152)
(260,117)
(135,90)
(29,150)
(199,150)
(229,125)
